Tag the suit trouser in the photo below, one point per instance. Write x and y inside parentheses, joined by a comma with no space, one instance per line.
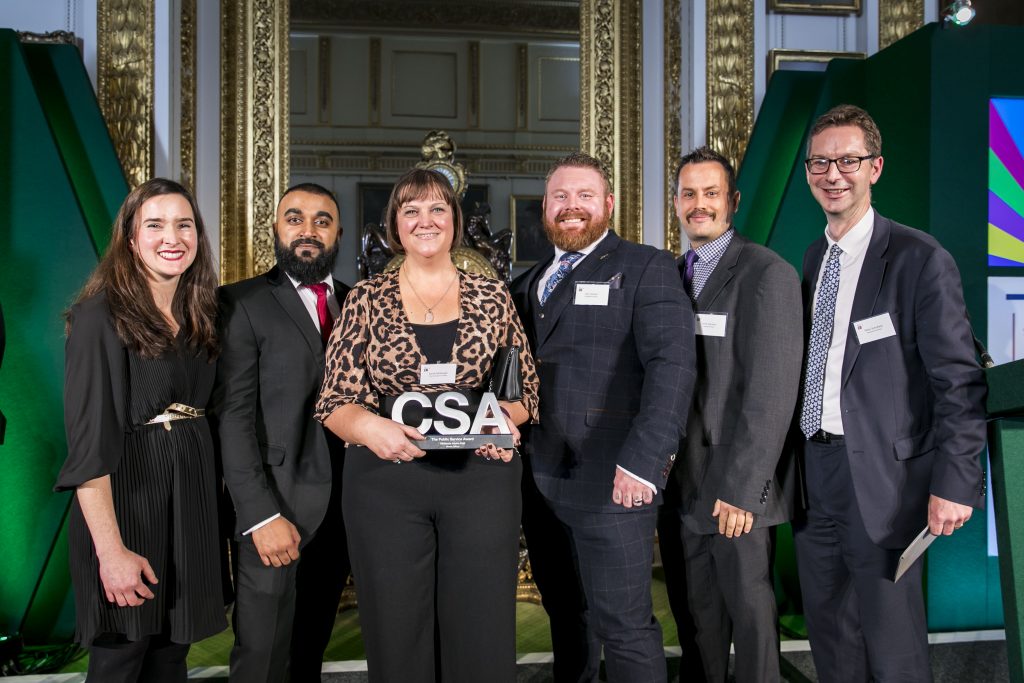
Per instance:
(434,546)
(733,600)
(861,625)
(670,546)
(575,647)
(319,581)
(263,617)
(154,659)
(614,555)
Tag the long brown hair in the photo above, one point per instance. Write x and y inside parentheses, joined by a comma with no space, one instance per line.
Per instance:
(120,275)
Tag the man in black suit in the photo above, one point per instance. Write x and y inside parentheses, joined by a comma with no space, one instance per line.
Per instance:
(612,332)
(281,467)
(730,483)
(892,414)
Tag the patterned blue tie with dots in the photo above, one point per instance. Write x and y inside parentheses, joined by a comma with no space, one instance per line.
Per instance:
(564,268)
(817,349)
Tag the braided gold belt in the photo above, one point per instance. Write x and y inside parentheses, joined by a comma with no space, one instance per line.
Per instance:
(176,411)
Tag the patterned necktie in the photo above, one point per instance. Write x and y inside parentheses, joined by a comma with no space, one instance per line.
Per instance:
(564,268)
(817,348)
(691,258)
(322,312)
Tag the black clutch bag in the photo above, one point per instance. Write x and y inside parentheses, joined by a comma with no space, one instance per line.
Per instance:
(507,375)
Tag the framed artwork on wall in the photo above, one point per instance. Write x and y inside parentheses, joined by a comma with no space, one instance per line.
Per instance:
(529,243)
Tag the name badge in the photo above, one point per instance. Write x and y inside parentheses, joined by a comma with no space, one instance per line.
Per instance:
(874,328)
(438,373)
(591,294)
(710,324)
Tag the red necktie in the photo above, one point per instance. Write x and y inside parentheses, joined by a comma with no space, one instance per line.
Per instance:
(322,312)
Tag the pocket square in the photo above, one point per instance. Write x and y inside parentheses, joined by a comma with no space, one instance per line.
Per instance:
(615,281)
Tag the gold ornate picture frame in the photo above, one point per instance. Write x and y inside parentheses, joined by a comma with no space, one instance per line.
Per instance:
(815,60)
(815,6)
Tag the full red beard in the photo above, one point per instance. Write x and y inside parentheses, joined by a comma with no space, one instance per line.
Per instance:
(576,240)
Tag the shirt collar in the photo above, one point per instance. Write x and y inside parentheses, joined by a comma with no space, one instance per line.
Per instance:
(585,250)
(328,280)
(714,249)
(855,242)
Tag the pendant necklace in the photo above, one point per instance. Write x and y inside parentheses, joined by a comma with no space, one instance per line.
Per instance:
(428,317)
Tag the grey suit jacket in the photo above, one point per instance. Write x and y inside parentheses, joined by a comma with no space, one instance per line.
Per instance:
(912,404)
(276,457)
(747,384)
(615,380)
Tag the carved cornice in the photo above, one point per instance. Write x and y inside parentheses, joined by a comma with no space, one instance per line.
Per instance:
(187,141)
(254,131)
(898,18)
(673,107)
(611,102)
(412,144)
(730,75)
(125,82)
(364,162)
(548,18)
(52,37)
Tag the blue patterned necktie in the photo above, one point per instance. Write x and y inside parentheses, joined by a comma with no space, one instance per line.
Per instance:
(817,349)
(564,268)
(690,259)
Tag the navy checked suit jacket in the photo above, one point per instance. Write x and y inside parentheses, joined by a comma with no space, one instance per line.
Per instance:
(615,380)
(913,405)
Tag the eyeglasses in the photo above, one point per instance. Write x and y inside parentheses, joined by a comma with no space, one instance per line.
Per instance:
(819,166)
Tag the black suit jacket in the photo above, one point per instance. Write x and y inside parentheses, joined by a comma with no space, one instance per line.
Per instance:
(276,457)
(746,392)
(912,404)
(615,380)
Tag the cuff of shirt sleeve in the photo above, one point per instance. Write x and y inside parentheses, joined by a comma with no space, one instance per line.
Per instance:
(652,487)
(268,520)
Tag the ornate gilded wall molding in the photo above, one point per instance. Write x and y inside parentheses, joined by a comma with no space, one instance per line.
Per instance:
(187,125)
(376,78)
(673,42)
(898,18)
(611,124)
(520,17)
(254,131)
(124,78)
(730,74)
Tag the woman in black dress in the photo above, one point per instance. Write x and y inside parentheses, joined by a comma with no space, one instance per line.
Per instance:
(139,369)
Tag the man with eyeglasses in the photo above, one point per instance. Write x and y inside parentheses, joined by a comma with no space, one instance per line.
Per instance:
(891,414)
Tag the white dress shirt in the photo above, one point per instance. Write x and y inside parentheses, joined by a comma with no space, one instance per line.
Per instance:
(308,297)
(854,245)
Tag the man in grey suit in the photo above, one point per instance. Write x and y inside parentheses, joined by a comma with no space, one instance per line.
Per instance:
(612,332)
(281,467)
(892,414)
(730,485)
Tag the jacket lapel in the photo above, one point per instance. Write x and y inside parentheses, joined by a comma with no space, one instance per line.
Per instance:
(290,301)
(812,267)
(868,286)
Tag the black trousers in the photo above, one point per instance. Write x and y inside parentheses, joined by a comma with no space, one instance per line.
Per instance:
(670,544)
(434,546)
(284,616)
(154,659)
(861,625)
(575,647)
(733,601)
(613,555)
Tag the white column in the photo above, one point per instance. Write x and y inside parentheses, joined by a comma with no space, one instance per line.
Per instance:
(653,124)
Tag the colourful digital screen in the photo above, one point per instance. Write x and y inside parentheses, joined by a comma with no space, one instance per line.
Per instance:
(1006,182)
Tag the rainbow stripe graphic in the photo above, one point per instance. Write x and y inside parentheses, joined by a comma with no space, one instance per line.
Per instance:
(1006,182)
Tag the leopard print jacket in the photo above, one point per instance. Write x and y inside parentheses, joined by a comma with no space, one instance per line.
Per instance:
(373,348)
